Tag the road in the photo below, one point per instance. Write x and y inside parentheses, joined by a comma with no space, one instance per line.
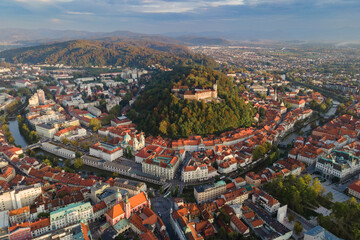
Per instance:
(161,206)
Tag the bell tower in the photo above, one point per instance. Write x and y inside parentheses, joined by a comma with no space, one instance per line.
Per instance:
(127,208)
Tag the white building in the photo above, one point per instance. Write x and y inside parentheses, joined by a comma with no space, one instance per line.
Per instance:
(338,164)
(106,151)
(59,151)
(20,197)
(72,213)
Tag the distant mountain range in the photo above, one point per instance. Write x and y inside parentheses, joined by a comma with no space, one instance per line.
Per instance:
(25,37)
(112,51)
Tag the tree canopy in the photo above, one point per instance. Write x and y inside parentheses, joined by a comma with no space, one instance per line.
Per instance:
(159,112)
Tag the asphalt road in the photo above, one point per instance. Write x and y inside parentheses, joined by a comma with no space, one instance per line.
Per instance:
(161,207)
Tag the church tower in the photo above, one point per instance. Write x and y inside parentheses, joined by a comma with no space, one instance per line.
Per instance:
(118,196)
(127,208)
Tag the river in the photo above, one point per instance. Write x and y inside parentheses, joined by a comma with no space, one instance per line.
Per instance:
(14,129)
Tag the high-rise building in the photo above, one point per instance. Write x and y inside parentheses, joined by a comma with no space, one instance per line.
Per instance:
(41,96)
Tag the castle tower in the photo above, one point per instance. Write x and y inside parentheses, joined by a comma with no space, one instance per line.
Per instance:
(214,91)
(127,208)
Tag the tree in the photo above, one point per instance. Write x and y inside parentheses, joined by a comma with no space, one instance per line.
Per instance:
(78,163)
(67,162)
(78,154)
(65,141)
(291,217)
(43,214)
(298,228)
(95,124)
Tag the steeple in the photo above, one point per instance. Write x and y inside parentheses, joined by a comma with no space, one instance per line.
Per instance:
(127,207)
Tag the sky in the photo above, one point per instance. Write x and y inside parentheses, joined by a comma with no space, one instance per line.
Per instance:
(243,19)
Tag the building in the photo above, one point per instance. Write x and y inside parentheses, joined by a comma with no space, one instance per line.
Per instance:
(338,164)
(4,225)
(20,231)
(162,166)
(19,215)
(40,227)
(20,197)
(319,233)
(269,203)
(125,209)
(59,151)
(46,130)
(72,213)
(196,94)
(94,111)
(70,133)
(133,187)
(194,172)
(354,189)
(238,226)
(106,151)
(209,192)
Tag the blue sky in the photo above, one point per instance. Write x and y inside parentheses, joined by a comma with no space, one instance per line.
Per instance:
(273,19)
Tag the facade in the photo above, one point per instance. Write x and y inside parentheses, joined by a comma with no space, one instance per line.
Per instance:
(70,133)
(196,94)
(209,192)
(19,215)
(20,231)
(194,173)
(269,203)
(161,166)
(40,227)
(20,197)
(338,164)
(106,151)
(354,189)
(59,151)
(4,225)
(46,130)
(72,213)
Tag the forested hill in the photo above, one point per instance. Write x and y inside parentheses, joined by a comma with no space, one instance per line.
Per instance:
(158,112)
(127,53)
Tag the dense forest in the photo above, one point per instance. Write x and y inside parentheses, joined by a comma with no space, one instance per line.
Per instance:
(158,112)
(125,53)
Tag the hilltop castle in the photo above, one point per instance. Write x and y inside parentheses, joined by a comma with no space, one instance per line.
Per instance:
(197,94)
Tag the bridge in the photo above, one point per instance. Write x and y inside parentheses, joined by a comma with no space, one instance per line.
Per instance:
(35,145)
(32,146)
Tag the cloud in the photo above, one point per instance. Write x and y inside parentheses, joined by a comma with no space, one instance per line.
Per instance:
(44,1)
(79,13)
(162,6)
(55,20)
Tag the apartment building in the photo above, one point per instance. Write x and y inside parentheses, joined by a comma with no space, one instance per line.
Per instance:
(72,213)
(209,192)
(20,197)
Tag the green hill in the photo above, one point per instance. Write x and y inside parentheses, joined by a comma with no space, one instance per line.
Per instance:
(127,53)
(158,112)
